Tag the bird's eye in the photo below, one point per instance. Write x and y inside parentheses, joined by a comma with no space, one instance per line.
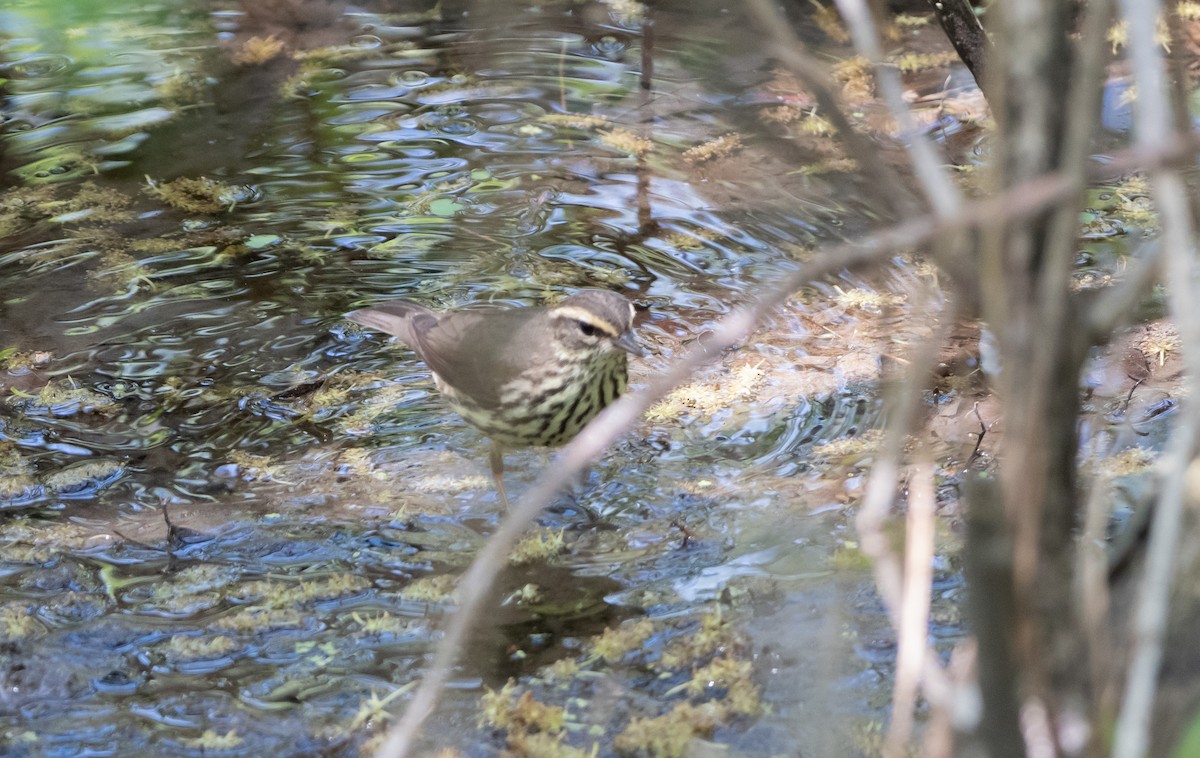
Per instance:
(588,329)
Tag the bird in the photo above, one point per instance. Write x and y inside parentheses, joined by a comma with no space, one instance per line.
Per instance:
(525,376)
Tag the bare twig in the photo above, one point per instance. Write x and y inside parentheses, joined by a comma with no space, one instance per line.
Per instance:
(1092,573)
(962,27)
(913,632)
(891,192)
(870,523)
(943,196)
(1153,124)
(1129,398)
(688,534)
(983,430)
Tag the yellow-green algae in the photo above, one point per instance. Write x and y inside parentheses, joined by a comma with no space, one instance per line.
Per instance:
(77,474)
(257,619)
(17,623)
(188,647)
(627,142)
(194,195)
(708,398)
(210,741)
(13,360)
(289,594)
(850,451)
(615,643)
(431,589)
(508,710)
(385,623)
(538,546)
(721,147)
(63,397)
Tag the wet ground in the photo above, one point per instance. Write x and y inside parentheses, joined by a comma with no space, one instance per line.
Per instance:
(234,519)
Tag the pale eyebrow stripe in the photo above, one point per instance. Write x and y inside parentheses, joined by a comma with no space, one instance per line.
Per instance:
(587,317)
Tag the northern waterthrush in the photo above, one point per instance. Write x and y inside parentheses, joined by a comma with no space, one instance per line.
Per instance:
(522,376)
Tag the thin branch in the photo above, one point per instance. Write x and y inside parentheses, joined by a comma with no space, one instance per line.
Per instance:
(983,430)
(958,20)
(870,524)
(1082,117)
(784,45)
(1153,125)
(943,195)
(1091,575)
(913,632)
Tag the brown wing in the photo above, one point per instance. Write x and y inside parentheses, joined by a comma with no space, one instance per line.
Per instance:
(478,351)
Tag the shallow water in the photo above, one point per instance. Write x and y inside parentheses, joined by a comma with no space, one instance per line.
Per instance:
(162,354)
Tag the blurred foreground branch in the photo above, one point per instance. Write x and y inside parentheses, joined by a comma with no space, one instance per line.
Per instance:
(1154,123)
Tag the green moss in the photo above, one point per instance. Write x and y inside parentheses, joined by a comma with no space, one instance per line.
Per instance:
(848,556)
(721,147)
(575,120)
(63,397)
(714,633)
(381,400)
(431,589)
(450,485)
(53,534)
(23,207)
(121,270)
(910,21)
(256,467)
(861,298)
(257,620)
(850,450)
(705,399)
(79,475)
(541,545)
(561,671)
(504,709)
(258,50)
(614,644)
(868,737)
(730,679)
(1133,460)
(200,195)
(384,623)
(627,142)
(195,579)
(184,647)
(210,740)
(375,708)
(542,745)
(18,487)
(528,594)
(282,594)
(669,736)
(187,604)
(17,623)
(16,361)
(912,62)
(20,552)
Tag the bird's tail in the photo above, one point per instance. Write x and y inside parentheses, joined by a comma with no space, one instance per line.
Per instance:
(399,318)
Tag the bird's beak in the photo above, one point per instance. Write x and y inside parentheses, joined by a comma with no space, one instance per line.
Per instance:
(627,343)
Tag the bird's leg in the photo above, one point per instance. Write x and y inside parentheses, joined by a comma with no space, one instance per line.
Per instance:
(496,458)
